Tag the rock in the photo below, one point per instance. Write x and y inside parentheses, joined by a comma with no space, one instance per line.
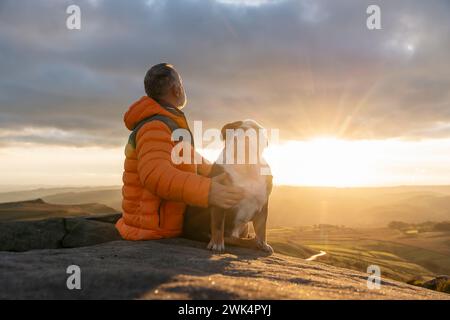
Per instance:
(57,233)
(179,268)
(29,235)
(109,218)
(87,232)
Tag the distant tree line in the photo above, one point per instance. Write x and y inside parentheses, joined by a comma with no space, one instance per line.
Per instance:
(443,226)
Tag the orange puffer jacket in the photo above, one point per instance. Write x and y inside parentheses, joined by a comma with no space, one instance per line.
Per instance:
(156,191)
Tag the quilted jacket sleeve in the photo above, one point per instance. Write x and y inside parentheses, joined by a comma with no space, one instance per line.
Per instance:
(204,167)
(157,172)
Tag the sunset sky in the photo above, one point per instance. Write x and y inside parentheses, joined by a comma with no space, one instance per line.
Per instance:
(354,107)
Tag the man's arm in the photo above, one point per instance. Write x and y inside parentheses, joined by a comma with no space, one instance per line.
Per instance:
(157,172)
(204,167)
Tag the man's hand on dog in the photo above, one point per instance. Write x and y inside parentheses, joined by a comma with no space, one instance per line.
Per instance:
(224,196)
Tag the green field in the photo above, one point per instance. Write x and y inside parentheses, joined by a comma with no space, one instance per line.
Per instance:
(398,255)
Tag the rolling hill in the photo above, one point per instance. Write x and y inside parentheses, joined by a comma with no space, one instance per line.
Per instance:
(425,255)
(110,197)
(39,209)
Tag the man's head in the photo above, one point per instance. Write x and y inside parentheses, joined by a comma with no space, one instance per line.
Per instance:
(163,83)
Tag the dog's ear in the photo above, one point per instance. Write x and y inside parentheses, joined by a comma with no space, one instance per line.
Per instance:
(232,125)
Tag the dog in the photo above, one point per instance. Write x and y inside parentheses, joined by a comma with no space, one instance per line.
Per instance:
(232,226)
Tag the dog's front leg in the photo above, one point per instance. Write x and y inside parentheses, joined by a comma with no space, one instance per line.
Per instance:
(216,243)
(260,224)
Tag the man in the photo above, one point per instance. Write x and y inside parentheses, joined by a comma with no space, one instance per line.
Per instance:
(155,190)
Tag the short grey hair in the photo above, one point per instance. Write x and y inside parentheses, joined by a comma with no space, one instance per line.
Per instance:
(159,79)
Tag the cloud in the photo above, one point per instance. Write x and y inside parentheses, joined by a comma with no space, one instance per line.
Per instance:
(306,67)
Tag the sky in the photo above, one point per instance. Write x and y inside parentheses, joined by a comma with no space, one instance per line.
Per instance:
(311,69)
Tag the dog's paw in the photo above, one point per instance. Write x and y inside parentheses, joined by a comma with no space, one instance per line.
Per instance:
(216,247)
(264,246)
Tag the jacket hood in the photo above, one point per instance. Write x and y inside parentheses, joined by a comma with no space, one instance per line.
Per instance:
(146,107)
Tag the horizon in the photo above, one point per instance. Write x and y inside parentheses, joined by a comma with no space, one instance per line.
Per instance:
(7,188)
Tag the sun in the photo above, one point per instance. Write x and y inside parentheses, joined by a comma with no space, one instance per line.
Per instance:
(322,161)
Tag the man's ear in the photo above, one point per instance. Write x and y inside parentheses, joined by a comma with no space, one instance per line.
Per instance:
(176,91)
(232,125)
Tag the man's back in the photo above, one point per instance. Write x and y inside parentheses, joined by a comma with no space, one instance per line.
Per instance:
(155,191)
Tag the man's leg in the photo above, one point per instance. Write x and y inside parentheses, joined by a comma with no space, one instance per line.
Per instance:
(197,223)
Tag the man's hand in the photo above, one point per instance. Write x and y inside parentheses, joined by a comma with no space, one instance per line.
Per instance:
(224,196)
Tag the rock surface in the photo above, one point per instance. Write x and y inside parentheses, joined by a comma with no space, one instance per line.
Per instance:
(179,268)
(57,233)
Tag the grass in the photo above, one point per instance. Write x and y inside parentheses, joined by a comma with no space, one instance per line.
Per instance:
(359,257)
(357,249)
(442,285)
(293,249)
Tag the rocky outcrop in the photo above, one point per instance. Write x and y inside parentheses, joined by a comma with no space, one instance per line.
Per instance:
(57,233)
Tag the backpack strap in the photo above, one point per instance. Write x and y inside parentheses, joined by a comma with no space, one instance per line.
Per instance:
(165,119)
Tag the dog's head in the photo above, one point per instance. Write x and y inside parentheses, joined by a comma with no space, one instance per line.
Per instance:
(247,139)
